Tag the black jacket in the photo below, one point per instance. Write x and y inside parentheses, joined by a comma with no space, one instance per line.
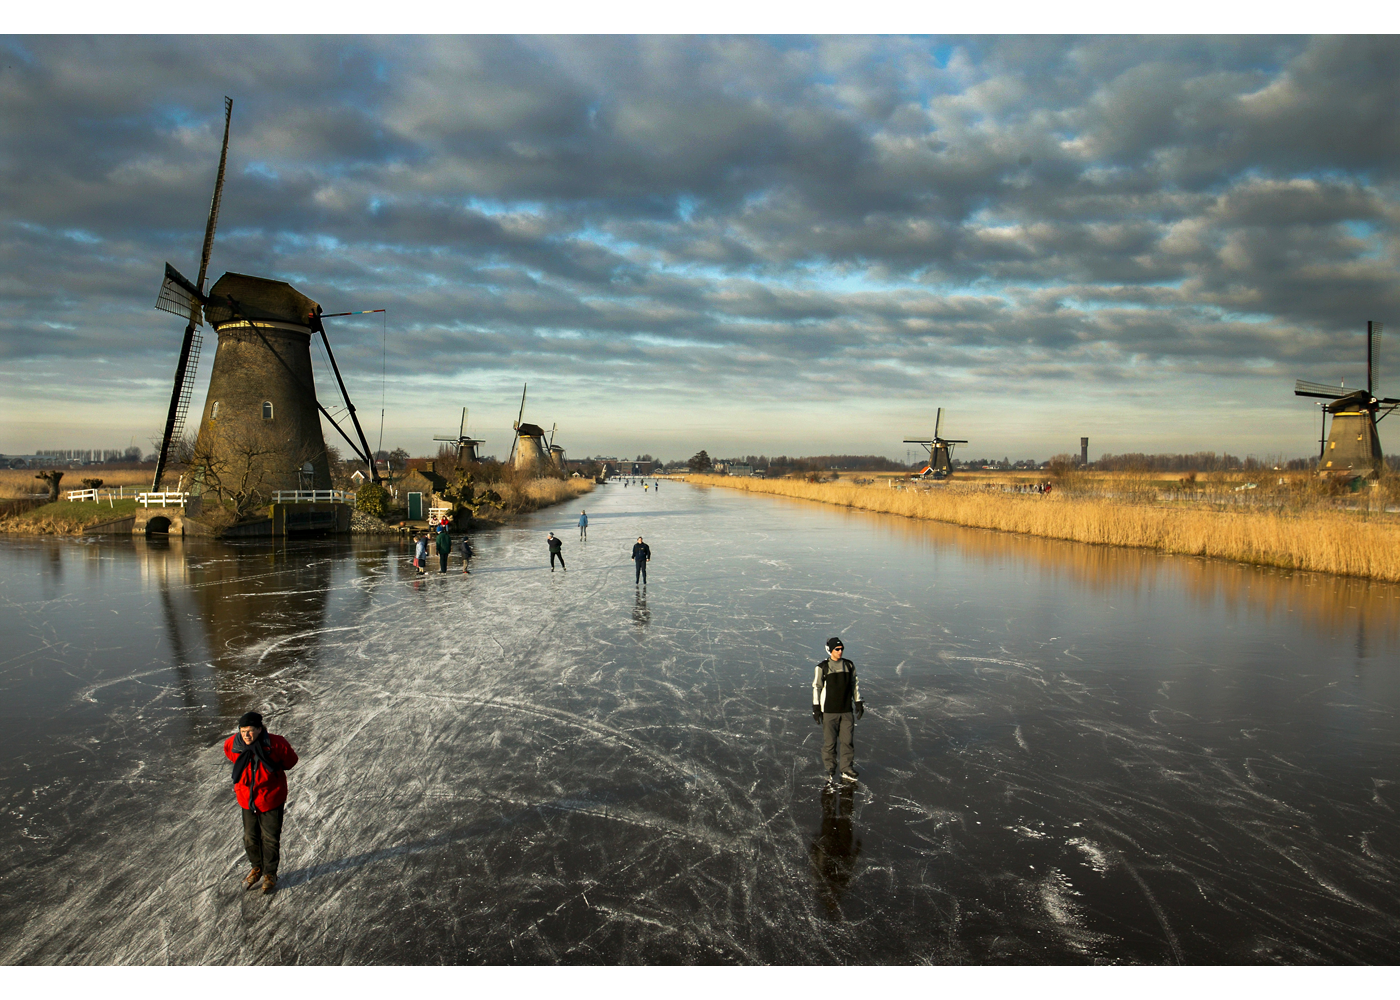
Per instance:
(641,551)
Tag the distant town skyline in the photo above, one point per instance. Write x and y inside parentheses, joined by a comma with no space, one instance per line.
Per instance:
(744,244)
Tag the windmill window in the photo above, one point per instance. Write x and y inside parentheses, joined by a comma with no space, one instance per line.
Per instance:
(214,413)
(267,410)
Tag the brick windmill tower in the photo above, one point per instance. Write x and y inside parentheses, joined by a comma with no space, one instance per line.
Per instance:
(261,415)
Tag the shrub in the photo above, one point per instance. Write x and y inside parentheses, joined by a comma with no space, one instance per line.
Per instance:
(373,499)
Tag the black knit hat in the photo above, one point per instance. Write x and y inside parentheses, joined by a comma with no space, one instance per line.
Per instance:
(833,642)
(250,719)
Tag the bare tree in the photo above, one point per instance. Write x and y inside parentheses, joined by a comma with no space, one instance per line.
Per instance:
(52,477)
(242,470)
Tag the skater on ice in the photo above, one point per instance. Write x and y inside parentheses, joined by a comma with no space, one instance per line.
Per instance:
(260,762)
(420,553)
(556,551)
(444,546)
(583,525)
(836,705)
(641,555)
(467,551)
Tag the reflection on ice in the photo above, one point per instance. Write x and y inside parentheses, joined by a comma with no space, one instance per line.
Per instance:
(1069,753)
(835,849)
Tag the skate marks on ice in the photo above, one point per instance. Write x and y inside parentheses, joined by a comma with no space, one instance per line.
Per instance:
(525,766)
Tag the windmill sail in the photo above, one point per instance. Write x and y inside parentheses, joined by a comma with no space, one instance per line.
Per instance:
(177,290)
(1373,357)
(180,297)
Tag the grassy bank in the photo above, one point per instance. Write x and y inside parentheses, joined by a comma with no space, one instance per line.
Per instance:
(1323,541)
(64,518)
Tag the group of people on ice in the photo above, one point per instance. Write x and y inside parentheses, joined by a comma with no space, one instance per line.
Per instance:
(261,759)
(641,551)
(440,540)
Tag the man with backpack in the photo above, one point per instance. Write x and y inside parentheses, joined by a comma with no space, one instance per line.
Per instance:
(836,705)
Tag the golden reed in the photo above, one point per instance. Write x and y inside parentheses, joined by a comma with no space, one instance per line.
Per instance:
(1321,541)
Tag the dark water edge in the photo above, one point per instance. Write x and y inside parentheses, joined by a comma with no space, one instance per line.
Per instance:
(1072,754)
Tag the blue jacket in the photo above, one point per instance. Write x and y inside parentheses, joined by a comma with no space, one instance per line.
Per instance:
(583,520)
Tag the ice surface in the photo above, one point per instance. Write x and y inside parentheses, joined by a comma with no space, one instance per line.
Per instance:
(1070,753)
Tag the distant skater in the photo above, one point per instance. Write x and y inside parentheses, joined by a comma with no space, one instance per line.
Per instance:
(836,705)
(260,762)
(641,555)
(466,554)
(583,525)
(556,551)
(444,546)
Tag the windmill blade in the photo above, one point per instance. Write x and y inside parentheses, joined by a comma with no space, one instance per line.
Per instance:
(218,198)
(1373,356)
(179,296)
(551,433)
(521,415)
(953,440)
(1319,390)
(462,431)
(918,441)
(938,420)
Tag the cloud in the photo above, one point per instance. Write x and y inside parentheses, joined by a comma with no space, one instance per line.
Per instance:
(740,223)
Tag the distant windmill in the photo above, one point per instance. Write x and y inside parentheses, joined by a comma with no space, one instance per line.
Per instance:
(556,453)
(466,447)
(1353,444)
(528,448)
(940,450)
(261,380)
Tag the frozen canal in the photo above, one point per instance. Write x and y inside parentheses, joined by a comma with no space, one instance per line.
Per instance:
(1070,754)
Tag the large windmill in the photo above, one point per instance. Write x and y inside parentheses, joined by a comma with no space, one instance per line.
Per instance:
(466,446)
(262,394)
(940,450)
(528,448)
(1353,446)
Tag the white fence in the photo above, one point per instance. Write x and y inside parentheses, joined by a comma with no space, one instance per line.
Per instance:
(108,493)
(162,499)
(309,496)
(436,514)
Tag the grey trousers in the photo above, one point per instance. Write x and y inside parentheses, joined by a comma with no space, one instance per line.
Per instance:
(843,725)
(262,839)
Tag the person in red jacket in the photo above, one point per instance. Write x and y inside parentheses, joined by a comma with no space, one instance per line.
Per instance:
(260,761)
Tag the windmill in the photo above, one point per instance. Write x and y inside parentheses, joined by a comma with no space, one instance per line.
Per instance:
(261,389)
(1353,444)
(528,448)
(940,450)
(556,453)
(466,447)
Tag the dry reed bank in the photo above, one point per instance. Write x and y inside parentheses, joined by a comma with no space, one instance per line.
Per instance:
(533,494)
(21,482)
(1322,541)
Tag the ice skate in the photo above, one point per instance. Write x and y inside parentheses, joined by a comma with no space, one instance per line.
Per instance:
(251,879)
(269,885)
(850,774)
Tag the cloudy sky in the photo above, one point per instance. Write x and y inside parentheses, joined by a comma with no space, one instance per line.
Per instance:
(746,244)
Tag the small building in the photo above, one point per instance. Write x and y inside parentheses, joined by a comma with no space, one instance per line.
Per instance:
(420,489)
(358,478)
(739,469)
